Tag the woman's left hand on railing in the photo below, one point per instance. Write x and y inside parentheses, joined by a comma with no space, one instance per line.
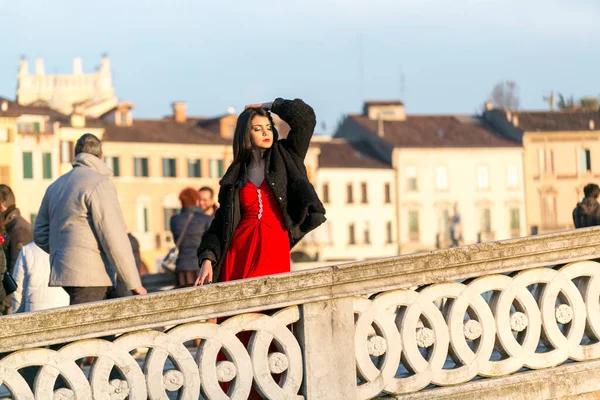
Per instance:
(206,273)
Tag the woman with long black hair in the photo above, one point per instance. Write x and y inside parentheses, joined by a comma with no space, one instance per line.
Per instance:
(267,203)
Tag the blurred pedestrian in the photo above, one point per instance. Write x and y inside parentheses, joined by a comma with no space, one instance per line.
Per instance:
(587,212)
(32,273)
(17,233)
(207,201)
(187,228)
(81,225)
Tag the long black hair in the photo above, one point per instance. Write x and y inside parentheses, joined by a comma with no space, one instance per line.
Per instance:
(242,145)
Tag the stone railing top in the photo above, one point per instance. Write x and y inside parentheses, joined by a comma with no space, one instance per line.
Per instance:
(192,304)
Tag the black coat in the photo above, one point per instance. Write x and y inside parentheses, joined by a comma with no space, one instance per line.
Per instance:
(285,174)
(18,234)
(187,259)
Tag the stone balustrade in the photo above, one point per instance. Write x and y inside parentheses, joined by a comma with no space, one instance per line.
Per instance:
(512,319)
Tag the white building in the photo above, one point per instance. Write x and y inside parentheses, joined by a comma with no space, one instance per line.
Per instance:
(93,93)
(455,177)
(358,193)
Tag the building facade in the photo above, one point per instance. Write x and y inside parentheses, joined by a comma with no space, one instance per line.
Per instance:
(457,181)
(358,193)
(93,92)
(28,152)
(561,156)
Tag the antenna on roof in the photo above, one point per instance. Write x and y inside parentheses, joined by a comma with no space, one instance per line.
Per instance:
(550,100)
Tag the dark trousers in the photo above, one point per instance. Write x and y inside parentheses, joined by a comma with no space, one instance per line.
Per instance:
(186,279)
(7,305)
(82,295)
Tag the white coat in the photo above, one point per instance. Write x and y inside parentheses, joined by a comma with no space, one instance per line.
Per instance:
(32,274)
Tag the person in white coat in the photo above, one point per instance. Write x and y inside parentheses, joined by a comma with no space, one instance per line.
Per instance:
(32,274)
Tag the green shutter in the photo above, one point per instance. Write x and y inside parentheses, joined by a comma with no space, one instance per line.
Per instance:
(165,167)
(167,213)
(36,127)
(221,167)
(413,222)
(194,168)
(515,222)
(116,168)
(47,161)
(146,219)
(144,167)
(32,218)
(27,165)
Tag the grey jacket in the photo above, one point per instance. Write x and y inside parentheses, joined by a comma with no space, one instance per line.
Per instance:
(188,259)
(80,224)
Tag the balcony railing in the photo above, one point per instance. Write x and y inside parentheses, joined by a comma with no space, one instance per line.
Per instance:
(493,320)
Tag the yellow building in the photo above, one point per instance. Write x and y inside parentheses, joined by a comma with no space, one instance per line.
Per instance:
(28,152)
(455,177)
(561,156)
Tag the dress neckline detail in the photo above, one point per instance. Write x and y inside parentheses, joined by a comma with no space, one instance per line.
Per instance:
(261,183)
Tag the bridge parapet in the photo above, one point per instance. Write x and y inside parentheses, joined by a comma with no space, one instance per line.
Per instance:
(511,319)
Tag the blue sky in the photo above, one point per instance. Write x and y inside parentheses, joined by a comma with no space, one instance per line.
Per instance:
(216,54)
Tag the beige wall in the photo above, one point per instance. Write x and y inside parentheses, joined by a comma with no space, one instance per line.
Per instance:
(560,186)
(7,149)
(29,192)
(461,166)
(333,236)
(155,193)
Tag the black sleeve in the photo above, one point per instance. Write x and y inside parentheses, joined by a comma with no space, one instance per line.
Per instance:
(301,119)
(210,247)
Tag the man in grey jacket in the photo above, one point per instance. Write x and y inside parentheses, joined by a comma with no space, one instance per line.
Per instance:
(80,224)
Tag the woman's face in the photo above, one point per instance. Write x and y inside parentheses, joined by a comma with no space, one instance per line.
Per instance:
(261,135)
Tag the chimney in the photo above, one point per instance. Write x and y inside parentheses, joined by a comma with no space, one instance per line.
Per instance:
(489,106)
(123,114)
(4,106)
(77,66)
(380,131)
(515,120)
(592,125)
(77,118)
(39,66)
(179,108)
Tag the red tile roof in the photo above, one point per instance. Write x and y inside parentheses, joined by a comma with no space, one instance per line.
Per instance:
(575,120)
(342,154)
(430,131)
(162,131)
(15,109)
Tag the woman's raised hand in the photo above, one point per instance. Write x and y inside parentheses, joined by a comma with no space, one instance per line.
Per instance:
(266,106)
(206,273)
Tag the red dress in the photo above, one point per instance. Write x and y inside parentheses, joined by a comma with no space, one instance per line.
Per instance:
(260,245)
